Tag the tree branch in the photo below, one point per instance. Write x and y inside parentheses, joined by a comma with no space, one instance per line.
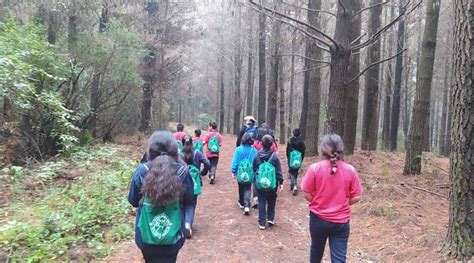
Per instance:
(308,58)
(377,34)
(370,7)
(312,10)
(374,64)
(343,7)
(319,31)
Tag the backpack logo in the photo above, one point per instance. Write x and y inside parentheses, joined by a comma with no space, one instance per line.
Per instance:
(264,182)
(160,226)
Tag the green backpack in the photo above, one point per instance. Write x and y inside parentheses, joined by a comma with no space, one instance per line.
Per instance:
(296,159)
(245,172)
(214,146)
(180,146)
(196,176)
(160,225)
(266,176)
(198,146)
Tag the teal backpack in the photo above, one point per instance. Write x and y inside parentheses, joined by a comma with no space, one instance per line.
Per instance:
(160,225)
(196,176)
(245,172)
(266,176)
(296,159)
(198,146)
(214,146)
(180,146)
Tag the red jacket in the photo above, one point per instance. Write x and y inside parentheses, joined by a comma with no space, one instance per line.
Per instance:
(258,145)
(209,135)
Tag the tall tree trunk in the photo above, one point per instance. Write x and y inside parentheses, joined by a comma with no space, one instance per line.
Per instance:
(274,78)
(238,75)
(444,111)
(72,33)
(406,120)
(53,26)
(95,91)
(421,105)
(388,91)
(262,96)
(351,94)
(459,241)
(450,115)
(249,95)
(340,59)
(371,95)
(282,103)
(314,83)
(222,98)
(291,97)
(304,105)
(395,118)
(162,81)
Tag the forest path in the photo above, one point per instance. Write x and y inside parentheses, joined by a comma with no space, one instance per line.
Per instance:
(394,224)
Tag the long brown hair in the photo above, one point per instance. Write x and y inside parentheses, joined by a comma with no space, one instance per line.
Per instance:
(162,185)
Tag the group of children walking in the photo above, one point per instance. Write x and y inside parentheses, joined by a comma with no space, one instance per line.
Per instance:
(166,186)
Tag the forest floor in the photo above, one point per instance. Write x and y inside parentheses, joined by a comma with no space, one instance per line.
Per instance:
(400,219)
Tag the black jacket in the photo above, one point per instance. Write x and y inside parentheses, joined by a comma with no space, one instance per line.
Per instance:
(295,143)
(269,156)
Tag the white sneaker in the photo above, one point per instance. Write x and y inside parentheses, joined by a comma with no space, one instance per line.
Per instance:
(189,231)
(246,211)
(271,222)
(240,205)
(261,227)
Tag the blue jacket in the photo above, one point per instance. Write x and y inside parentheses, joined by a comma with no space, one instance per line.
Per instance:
(134,198)
(242,152)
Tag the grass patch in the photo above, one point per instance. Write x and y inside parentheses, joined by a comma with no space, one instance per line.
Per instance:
(387,210)
(45,220)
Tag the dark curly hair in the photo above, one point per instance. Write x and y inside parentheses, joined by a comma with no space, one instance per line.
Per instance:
(162,185)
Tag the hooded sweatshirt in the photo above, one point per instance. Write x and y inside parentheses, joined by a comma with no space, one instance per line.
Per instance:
(266,155)
(295,143)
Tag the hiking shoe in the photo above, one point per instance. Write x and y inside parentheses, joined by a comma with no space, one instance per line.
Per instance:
(189,231)
(261,227)
(240,205)
(246,211)
(255,203)
(271,222)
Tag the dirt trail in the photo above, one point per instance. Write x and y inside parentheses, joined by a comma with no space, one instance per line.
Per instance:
(393,223)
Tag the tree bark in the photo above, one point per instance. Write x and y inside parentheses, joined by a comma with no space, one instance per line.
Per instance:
(351,95)
(274,78)
(395,116)
(53,26)
(72,33)
(459,243)
(282,102)
(371,96)
(262,96)
(420,113)
(292,86)
(249,94)
(238,76)
(388,91)
(222,98)
(444,112)
(340,59)
(314,83)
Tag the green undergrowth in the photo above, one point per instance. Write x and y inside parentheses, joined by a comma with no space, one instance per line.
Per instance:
(70,209)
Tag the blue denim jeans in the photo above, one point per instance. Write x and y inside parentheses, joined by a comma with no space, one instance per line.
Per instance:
(293,177)
(337,233)
(244,194)
(266,206)
(189,210)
